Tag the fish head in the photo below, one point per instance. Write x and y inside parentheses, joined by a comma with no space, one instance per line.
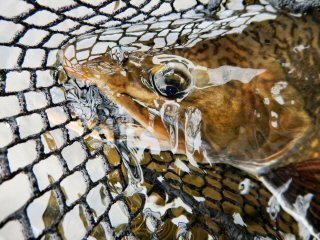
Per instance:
(196,108)
(170,87)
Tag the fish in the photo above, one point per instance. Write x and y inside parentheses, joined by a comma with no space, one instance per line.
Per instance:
(249,100)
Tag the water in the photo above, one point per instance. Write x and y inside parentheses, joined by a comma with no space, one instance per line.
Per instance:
(246,99)
(192,132)
(170,118)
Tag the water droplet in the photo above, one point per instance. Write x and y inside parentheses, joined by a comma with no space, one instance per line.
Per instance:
(245,186)
(192,132)
(170,118)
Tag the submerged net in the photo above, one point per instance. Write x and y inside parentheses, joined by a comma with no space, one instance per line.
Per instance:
(51,168)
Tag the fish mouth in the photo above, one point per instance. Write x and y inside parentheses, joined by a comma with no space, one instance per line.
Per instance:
(148,118)
(175,132)
(156,124)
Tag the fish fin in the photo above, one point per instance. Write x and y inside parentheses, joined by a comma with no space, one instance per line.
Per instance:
(297,189)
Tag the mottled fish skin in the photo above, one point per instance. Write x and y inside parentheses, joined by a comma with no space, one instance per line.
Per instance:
(277,46)
(289,48)
(229,112)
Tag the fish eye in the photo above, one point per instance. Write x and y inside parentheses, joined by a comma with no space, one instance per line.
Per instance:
(171,80)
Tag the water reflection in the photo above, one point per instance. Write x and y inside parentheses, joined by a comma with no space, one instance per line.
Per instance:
(237,100)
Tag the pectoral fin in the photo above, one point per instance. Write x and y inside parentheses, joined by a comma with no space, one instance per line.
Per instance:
(296,188)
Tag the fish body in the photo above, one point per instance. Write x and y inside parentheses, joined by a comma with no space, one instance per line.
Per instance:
(250,100)
(252,114)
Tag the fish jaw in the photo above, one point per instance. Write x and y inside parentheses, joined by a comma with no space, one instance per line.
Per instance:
(151,123)
(129,94)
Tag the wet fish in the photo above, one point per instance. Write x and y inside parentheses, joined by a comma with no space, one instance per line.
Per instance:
(250,100)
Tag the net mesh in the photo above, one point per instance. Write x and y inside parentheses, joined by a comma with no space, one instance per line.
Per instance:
(57,181)
(33,171)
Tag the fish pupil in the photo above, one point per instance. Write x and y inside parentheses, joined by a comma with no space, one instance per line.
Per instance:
(171,91)
(170,82)
(170,85)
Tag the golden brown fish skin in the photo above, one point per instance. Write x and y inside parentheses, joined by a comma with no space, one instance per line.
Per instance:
(253,205)
(272,43)
(227,111)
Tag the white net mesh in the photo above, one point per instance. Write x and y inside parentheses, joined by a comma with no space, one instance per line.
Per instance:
(43,155)
(56,180)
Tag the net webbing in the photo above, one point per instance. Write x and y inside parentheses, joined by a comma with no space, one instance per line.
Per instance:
(31,95)
(57,180)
